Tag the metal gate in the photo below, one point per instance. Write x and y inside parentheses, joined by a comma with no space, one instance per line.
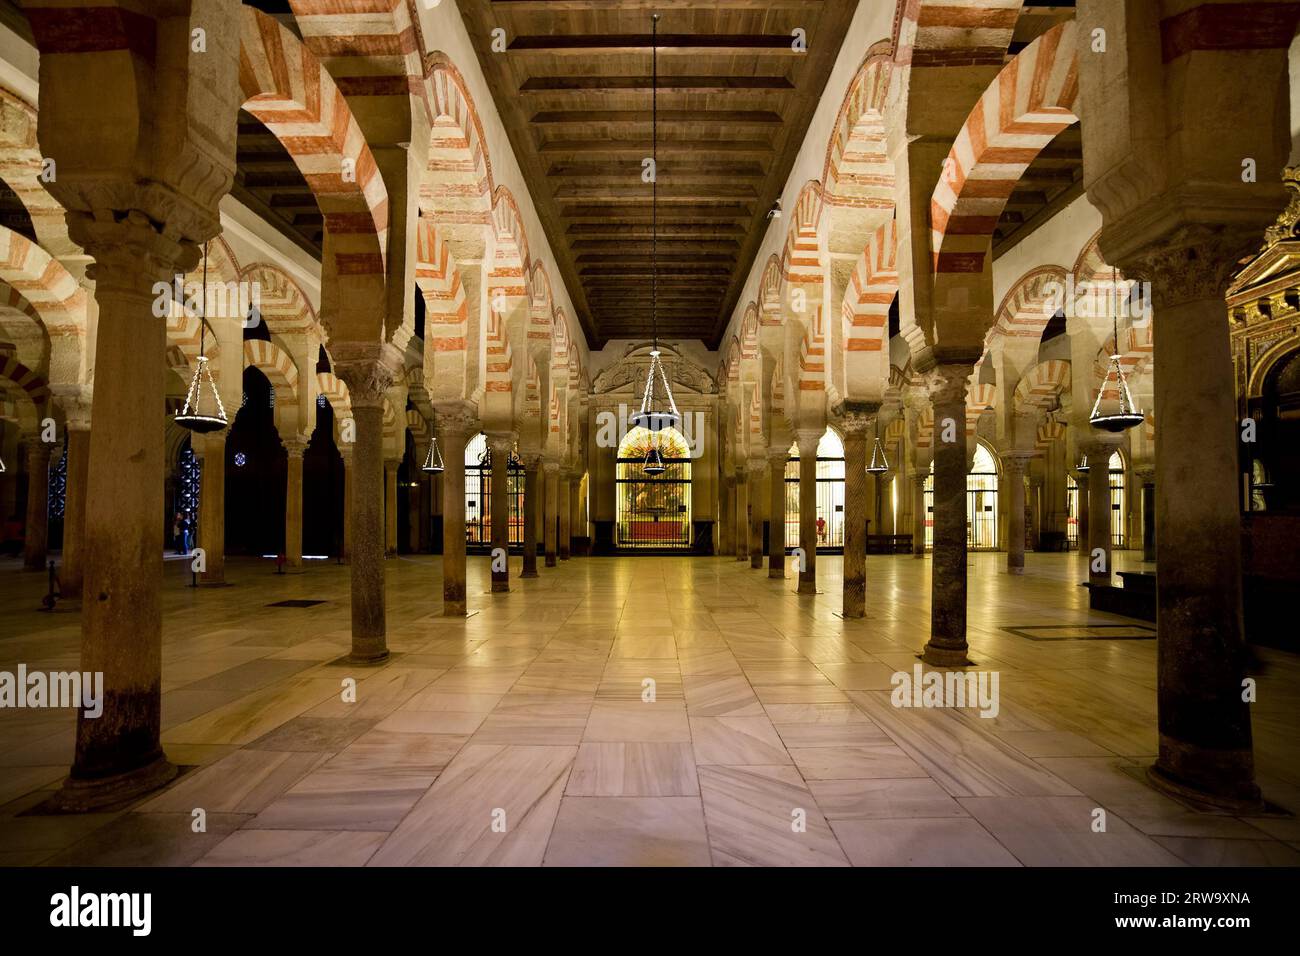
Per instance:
(654,512)
(478,497)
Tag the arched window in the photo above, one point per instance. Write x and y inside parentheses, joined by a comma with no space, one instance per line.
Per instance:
(1118,505)
(654,511)
(830,494)
(981,503)
(478,496)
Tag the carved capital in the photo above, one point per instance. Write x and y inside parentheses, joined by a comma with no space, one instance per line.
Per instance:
(856,417)
(455,418)
(368,369)
(75,400)
(295,447)
(131,251)
(948,384)
(808,439)
(1016,463)
(1195,262)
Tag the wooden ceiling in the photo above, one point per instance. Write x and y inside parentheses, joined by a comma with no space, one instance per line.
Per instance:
(573,88)
(268,181)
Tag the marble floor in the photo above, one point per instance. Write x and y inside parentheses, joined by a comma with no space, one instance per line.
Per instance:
(521,735)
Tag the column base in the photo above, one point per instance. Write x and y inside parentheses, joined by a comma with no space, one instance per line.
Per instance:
(918,554)
(85,796)
(500,587)
(1231,786)
(742,557)
(776,574)
(529,574)
(213,584)
(1015,570)
(550,560)
(808,587)
(453,609)
(368,657)
(299,570)
(937,656)
(756,563)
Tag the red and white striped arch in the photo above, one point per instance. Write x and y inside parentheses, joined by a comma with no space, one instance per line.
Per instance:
(1048,432)
(285,86)
(1029,305)
(276,364)
(446,313)
(284,306)
(939,33)
(335,392)
(858,174)
(457,186)
(1137,347)
(44,282)
(769,292)
(803,275)
(1029,102)
(29,384)
(1042,385)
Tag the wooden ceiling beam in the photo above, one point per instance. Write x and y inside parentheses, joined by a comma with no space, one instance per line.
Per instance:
(642,212)
(680,84)
(724,44)
(668,193)
(666,147)
(666,117)
(668,170)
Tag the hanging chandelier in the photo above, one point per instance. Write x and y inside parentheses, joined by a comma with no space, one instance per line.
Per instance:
(879,463)
(198,414)
(654,462)
(1128,414)
(1082,466)
(657,411)
(433,460)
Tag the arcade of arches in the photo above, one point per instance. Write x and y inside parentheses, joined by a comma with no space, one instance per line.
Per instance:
(902,274)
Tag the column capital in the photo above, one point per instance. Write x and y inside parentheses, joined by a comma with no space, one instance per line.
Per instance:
(295,447)
(1017,462)
(1194,262)
(503,442)
(38,452)
(856,417)
(778,458)
(134,244)
(1145,472)
(808,439)
(757,466)
(919,475)
(551,467)
(1099,447)
(948,384)
(455,418)
(368,369)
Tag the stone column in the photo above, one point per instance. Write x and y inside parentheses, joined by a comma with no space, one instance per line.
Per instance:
(1081,498)
(918,512)
(1145,475)
(390,506)
(947,645)
(756,468)
(455,423)
(563,501)
(1099,512)
(414,511)
(119,754)
(726,515)
(1035,511)
(576,529)
(1205,734)
(211,450)
(1014,466)
(368,371)
(808,441)
(500,444)
(74,509)
(294,448)
(551,472)
(36,542)
(741,498)
(854,422)
(345,452)
(532,506)
(776,514)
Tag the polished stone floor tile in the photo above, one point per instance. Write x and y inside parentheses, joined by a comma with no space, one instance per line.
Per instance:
(294,848)
(616,720)
(628,831)
(633,770)
(883,798)
(920,842)
(765,816)
(737,741)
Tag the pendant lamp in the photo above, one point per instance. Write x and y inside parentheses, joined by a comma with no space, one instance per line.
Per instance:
(658,410)
(654,462)
(433,460)
(1082,466)
(1128,415)
(879,463)
(200,413)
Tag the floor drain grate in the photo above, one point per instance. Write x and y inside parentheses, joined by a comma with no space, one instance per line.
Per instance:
(295,603)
